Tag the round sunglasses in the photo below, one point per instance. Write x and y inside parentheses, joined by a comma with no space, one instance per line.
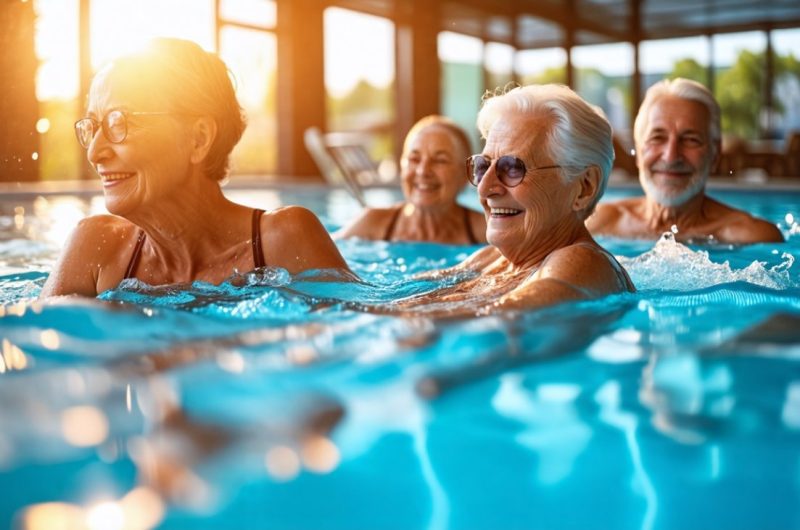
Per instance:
(510,170)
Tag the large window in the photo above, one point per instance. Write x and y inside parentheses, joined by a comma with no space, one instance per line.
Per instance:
(118,26)
(499,63)
(670,58)
(250,51)
(603,77)
(786,46)
(462,82)
(359,77)
(739,64)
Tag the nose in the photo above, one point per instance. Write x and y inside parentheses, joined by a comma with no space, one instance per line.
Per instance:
(490,184)
(99,148)
(423,166)
(672,150)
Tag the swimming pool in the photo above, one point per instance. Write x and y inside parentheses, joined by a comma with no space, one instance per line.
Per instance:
(256,407)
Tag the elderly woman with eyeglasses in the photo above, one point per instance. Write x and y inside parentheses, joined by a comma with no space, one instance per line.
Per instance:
(432,176)
(160,127)
(544,166)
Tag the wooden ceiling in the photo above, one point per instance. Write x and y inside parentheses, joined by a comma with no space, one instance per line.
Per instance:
(528,24)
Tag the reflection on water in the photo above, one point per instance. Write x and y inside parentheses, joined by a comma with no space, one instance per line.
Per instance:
(267,399)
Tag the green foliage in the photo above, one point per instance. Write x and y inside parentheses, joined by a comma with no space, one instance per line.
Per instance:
(740,88)
(689,69)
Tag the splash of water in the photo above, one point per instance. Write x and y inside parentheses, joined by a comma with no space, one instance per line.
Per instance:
(673,266)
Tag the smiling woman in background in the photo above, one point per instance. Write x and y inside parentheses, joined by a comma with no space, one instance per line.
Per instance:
(432,175)
(160,127)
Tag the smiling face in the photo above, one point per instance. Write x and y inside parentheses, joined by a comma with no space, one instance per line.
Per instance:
(432,168)
(539,211)
(676,153)
(151,162)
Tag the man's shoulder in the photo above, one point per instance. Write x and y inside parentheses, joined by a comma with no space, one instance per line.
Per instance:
(608,215)
(740,226)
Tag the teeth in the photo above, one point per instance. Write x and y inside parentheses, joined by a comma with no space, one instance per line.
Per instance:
(116,176)
(504,211)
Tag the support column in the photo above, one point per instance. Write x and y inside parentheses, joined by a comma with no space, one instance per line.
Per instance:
(301,83)
(19,108)
(418,72)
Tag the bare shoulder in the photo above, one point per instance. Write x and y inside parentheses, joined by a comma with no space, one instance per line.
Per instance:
(608,217)
(93,257)
(745,229)
(587,267)
(370,224)
(480,259)
(295,239)
(739,226)
(112,232)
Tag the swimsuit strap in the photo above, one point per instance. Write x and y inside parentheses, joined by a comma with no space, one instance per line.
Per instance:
(137,253)
(390,229)
(255,238)
(470,234)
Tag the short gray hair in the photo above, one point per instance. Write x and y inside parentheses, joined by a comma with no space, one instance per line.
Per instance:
(579,137)
(684,89)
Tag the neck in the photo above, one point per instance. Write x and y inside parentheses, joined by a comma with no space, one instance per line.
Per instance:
(434,223)
(662,218)
(573,232)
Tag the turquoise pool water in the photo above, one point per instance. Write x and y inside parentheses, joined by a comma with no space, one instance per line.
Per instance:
(267,405)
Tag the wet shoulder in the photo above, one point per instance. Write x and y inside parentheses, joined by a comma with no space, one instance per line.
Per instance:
(732,225)
(587,266)
(612,218)
(104,232)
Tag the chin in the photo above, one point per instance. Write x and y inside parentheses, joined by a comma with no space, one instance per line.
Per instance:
(695,185)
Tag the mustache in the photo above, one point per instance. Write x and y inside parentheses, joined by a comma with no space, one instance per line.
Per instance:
(679,166)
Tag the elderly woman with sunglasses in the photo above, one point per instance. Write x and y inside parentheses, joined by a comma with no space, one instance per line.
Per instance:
(543,169)
(160,127)
(432,175)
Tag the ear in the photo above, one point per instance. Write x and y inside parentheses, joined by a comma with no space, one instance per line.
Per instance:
(203,133)
(588,187)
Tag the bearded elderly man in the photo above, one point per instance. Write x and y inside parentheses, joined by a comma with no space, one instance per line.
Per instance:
(677,137)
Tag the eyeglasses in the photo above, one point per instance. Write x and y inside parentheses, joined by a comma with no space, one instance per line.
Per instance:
(114,125)
(510,169)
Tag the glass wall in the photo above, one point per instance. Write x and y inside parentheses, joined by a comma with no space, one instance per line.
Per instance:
(786,46)
(255,75)
(603,78)
(251,54)
(499,64)
(739,68)
(359,78)
(462,81)
(547,65)
(670,58)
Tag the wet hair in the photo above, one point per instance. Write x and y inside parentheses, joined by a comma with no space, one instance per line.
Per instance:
(193,82)
(456,131)
(578,136)
(684,89)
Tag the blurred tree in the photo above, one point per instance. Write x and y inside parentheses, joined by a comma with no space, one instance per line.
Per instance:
(740,91)
(689,69)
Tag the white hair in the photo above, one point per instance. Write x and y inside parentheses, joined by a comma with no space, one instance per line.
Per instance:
(579,136)
(684,89)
